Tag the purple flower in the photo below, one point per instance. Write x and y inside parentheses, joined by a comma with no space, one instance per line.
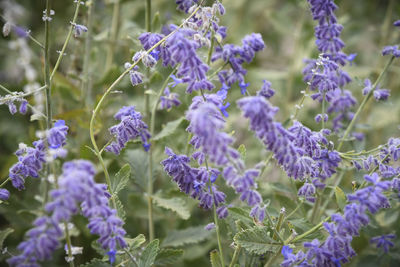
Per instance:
(78,29)
(57,135)
(169,99)
(184,5)
(192,181)
(368,87)
(397,23)
(130,127)
(266,90)
(4,194)
(30,162)
(210,226)
(381,94)
(205,124)
(76,190)
(383,241)
(308,192)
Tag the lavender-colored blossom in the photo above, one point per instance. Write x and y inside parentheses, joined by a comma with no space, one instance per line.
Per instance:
(396,23)
(184,5)
(336,249)
(381,94)
(383,241)
(76,190)
(4,194)
(79,29)
(57,135)
(169,99)
(237,56)
(266,90)
(210,226)
(30,162)
(308,192)
(391,50)
(192,181)
(130,127)
(11,99)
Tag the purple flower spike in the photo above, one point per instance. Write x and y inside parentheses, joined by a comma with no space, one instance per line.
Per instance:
(4,194)
(383,241)
(130,128)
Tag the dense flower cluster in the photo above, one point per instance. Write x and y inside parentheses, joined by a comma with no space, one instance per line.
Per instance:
(337,248)
(76,188)
(236,56)
(130,127)
(325,74)
(298,150)
(31,159)
(195,182)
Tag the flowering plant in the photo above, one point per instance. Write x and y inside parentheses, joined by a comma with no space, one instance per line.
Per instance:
(181,154)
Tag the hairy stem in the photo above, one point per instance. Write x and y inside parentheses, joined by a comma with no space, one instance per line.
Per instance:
(71,28)
(312,230)
(364,102)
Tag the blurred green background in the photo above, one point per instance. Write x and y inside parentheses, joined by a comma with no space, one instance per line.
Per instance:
(287,30)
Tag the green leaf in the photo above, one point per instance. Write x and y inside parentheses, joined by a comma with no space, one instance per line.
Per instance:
(4,234)
(37,117)
(191,235)
(256,240)
(168,256)
(137,159)
(240,214)
(340,198)
(121,179)
(120,208)
(175,204)
(168,129)
(149,254)
(136,242)
(95,263)
(215,259)
(242,151)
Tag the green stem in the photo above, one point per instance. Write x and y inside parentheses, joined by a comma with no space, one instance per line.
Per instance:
(71,28)
(21,95)
(113,35)
(312,230)
(69,246)
(5,182)
(364,102)
(235,255)
(279,223)
(86,84)
(221,254)
(151,116)
(294,211)
(276,233)
(328,199)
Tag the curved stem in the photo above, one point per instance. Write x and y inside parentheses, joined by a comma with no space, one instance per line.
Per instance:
(312,230)
(86,84)
(364,102)
(69,246)
(61,55)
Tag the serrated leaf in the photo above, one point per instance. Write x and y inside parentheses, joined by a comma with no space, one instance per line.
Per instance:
(137,159)
(175,204)
(96,263)
(186,236)
(120,208)
(240,214)
(242,151)
(168,129)
(168,256)
(215,259)
(121,179)
(149,254)
(256,240)
(136,242)
(3,235)
(340,198)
